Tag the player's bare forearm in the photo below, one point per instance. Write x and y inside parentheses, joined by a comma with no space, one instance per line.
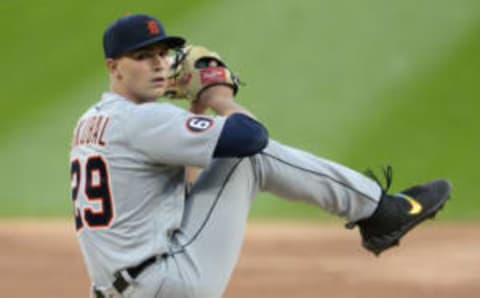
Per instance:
(220,99)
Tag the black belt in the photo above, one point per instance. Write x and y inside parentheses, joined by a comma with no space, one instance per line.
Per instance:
(120,283)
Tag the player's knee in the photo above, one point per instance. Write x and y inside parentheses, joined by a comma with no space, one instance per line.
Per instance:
(241,136)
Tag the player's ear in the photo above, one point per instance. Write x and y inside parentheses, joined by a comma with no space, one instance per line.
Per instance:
(112,66)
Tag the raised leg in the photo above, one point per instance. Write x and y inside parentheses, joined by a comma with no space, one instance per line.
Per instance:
(297,175)
(206,249)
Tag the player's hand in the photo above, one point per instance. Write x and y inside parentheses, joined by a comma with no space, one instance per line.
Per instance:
(192,73)
(215,95)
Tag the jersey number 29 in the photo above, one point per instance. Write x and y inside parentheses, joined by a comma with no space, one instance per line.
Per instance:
(96,189)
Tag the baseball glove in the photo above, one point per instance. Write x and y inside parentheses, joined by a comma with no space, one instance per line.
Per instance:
(192,72)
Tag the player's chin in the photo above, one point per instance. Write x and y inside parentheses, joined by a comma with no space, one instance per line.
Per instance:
(157,92)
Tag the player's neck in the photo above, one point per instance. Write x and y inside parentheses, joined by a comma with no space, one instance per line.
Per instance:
(123,92)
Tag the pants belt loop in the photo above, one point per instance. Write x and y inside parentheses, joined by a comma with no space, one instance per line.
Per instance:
(126,276)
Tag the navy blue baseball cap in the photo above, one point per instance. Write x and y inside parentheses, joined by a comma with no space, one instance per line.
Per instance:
(136,31)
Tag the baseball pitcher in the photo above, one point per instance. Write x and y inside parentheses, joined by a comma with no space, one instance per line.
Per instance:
(145,227)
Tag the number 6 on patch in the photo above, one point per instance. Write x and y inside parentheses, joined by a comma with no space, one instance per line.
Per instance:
(199,124)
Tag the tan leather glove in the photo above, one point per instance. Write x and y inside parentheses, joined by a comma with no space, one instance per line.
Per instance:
(192,73)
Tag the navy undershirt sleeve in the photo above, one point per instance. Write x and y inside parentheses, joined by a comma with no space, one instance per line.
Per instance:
(241,136)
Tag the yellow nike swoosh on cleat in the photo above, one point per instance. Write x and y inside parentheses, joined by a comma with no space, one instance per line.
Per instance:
(416,206)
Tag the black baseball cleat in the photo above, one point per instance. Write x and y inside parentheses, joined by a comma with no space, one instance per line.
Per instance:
(397,214)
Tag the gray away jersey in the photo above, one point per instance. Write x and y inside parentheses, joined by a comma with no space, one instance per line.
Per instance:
(127,170)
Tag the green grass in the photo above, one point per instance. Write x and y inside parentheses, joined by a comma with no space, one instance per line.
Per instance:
(364,83)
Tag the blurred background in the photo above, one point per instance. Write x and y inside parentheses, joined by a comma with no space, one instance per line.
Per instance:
(365,83)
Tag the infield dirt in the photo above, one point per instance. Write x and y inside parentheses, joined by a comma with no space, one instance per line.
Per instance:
(280,259)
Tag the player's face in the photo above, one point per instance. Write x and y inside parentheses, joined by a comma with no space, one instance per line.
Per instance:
(142,74)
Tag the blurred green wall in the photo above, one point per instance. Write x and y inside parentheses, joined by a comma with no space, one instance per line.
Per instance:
(365,83)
